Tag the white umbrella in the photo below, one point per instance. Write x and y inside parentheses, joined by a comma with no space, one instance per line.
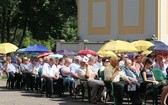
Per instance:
(55,56)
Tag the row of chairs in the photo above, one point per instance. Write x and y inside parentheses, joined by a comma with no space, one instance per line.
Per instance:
(108,85)
(146,92)
(108,91)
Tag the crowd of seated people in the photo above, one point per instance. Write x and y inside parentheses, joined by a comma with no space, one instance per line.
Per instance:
(62,75)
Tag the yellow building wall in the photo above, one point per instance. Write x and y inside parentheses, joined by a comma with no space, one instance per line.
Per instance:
(139,29)
(101,20)
(92,30)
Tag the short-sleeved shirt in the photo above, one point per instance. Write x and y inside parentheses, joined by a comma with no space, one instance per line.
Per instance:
(82,72)
(74,67)
(59,66)
(108,72)
(11,68)
(26,67)
(149,74)
(38,68)
(64,68)
(20,67)
(49,70)
(31,67)
(93,68)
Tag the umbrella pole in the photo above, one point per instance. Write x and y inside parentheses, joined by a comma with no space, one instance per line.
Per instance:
(5,57)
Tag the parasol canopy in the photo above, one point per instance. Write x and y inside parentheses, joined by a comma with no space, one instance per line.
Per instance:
(7,48)
(55,56)
(106,53)
(45,54)
(142,45)
(36,49)
(86,52)
(118,46)
(65,52)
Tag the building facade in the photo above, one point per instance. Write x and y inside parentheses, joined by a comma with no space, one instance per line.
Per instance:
(101,20)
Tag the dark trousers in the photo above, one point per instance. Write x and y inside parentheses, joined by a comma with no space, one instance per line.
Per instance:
(54,86)
(11,79)
(68,84)
(134,95)
(59,86)
(37,82)
(29,80)
(18,78)
(49,86)
(118,92)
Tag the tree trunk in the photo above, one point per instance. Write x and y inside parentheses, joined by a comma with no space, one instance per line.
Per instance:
(14,34)
(25,21)
(8,28)
(3,25)
(23,35)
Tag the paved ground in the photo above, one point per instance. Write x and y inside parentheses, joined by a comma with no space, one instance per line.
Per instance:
(22,97)
(18,97)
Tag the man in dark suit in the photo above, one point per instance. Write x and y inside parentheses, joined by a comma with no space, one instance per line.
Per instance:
(133,89)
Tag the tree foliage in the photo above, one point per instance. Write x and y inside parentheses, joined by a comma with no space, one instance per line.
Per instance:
(38,20)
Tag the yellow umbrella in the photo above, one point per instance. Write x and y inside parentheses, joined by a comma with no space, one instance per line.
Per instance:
(146,52)
(106,53)
(119,46)
(7,48)
(142,45)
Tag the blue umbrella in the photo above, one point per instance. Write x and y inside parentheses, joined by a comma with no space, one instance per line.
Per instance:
(65,52)
(36,49)
(155,42)
(22,50)
(163,48)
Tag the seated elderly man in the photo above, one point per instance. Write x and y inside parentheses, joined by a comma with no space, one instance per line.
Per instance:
(51,75)
(113,73)
(86,73)
(66,75)
(133,89)
(74,67)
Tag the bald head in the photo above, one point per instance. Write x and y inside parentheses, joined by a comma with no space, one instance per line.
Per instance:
(114,61)
(19,60)
(128,63)
(92,60)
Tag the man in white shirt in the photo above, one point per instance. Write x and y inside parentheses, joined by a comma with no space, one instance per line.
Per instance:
(86,73)
(50,73)
(99,62)
(75,66)
(92,65)
(66,75)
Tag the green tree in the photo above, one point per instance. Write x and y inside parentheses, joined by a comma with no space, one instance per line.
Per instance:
(69,30)
(8,10)
(39,20)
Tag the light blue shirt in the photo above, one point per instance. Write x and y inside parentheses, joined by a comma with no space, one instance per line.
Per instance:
(11,68)
(74,67)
